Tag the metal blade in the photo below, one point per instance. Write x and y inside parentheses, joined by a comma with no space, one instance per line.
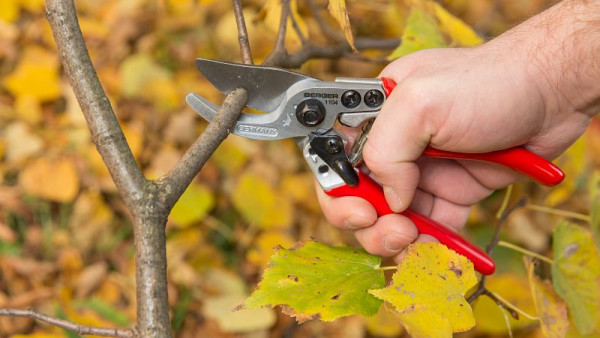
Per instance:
(266,86)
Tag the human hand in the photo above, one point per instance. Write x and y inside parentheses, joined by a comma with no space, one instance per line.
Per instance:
(466,100)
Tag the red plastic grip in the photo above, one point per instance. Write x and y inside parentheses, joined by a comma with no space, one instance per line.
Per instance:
(368,189)
(518,158)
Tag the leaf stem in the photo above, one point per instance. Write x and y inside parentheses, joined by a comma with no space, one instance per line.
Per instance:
(504,202)
(513,307)
(558,212)
(507,321)
(385,268)
(525,252)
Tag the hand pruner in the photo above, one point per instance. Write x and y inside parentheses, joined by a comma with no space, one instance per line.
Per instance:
(306,109)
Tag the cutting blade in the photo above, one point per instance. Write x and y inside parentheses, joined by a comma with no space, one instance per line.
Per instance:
(266,86)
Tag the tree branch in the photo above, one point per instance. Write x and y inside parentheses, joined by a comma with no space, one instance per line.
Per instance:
(242,33)
(481,289)
(102,122)
(310,51)
(279,53)
(175,182)
(65,324)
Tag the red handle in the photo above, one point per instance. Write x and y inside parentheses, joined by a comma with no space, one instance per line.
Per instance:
(518,158)
(368,189)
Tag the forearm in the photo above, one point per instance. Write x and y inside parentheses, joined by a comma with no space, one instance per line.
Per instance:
(561,50)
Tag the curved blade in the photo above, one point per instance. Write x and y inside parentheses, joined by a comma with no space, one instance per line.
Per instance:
(266,86)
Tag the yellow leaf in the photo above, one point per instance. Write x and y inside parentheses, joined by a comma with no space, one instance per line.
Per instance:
(259,203)
(428,291)
(422,31)
(511,287)
(337,9)
(28,109)
(138,72)
(459,32)
(260,253)
(193,205)
(36,75)
(551,309)
(52,179)
(9,10)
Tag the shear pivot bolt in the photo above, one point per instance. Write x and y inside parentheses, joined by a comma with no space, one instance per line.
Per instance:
(310,112)
(373,98)
(350,98)
(333,145)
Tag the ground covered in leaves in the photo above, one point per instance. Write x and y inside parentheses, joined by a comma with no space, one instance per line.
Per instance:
(65,238)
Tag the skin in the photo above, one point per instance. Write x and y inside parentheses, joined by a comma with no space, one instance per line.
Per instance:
(535,86)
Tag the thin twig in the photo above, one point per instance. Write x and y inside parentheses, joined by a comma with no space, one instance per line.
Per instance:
(525,251)
(243,40)
(498,301)
(329,32)
(558,212)
(342,49)
(65,324)
(512,306)
(279,53)
(521,203)
(507,321)
(174,183)
(297,29)
(504,202)
(481,289)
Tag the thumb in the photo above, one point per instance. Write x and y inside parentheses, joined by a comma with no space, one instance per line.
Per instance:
(397,138)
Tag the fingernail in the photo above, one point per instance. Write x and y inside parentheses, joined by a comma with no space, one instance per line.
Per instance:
(394,241)
(392,199)
(356,222)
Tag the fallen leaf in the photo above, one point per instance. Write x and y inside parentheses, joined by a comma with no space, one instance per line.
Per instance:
(551,309)
(422,31)
(36,75)
(221,309)
(192,206)
(52,179)
(576,275)
(21,142)
(317,281)
(430,285)
(9,10)
(259,203)
(337,9)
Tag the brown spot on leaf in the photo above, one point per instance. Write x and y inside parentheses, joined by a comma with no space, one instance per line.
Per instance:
(570,250)
(457,271)
(293,278)
(336,296)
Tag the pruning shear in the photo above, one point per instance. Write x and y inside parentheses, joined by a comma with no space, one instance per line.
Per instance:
(306,109)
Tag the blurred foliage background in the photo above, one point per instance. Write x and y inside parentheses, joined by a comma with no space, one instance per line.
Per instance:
(65,238)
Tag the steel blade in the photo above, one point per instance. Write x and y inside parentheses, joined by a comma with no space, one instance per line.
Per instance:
(266,86)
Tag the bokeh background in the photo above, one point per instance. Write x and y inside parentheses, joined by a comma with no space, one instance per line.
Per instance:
(66,245)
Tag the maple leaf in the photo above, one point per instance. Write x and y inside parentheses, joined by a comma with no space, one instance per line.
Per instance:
(318,281)
(428,291)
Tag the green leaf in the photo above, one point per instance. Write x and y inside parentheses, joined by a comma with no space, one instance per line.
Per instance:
(105,310)
(428,291)
(318,281)
(422,31)
(576,275)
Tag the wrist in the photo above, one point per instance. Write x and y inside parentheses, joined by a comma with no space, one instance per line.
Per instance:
(558,50)
(564,56)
